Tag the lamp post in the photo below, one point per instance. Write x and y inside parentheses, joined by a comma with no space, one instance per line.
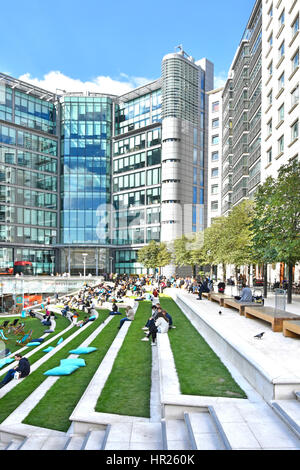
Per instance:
(84,262)
(52,265)
(111,262)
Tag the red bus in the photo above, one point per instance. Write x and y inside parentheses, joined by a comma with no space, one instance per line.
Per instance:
(24,267)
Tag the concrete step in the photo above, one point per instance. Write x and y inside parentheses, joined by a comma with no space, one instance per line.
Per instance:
(254,426)
(33,443)
(13,445)
(137,435)
(44,442)
(75,442)
(177,435)
(289,412)
(93,440)
(205,432)
(55,443)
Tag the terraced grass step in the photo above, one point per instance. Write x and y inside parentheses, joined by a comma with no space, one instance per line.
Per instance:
(200,371)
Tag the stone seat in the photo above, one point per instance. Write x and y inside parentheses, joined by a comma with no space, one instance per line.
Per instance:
(270,315)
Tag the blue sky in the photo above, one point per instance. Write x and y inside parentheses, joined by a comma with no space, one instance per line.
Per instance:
(114,44)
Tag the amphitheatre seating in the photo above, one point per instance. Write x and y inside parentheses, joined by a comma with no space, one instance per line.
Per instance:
(291,328)
(218,297)
(240,306)
(271,315)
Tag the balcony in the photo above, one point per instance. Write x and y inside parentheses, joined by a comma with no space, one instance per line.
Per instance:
(255,56)
(243,171)
(226,206)
(254,106)
(242,149)
(254,131)
(226,172)
(255,32)
(240,194)
(254,83)
(254,156)
(238,131)
(226,189)
(254,181)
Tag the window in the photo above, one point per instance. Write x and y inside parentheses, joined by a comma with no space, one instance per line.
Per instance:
(214,189)
(215,156)
(281,144)
(281,50)
(215,139)
(281,113)
(295,25)
(270,69)
(270,12)
(269,127)
(270,40)
(214,205)
(214,172)
(282,18)
(281,81)
(295,130)
(215,107)
(269,154)
(215,123)
(270,98)
(295,96)
(295,61)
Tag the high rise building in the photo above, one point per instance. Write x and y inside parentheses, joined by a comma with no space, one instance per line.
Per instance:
(94,177)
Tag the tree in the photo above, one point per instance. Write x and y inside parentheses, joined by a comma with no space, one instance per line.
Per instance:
(154,255)
(182,250)
(214,242)
(278,217)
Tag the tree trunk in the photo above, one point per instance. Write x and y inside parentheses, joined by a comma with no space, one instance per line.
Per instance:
(265,271)
(290,284)
(224,272)
(194,270)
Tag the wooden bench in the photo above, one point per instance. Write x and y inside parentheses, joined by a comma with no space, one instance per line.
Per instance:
(270,315)
(207,295)
(218,297)
(291,328)
(240,306)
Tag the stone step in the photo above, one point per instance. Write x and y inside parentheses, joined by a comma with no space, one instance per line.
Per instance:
(93,440)
(55,443)
(75,442)
(177,435)
(254,426)
(136,435)
(13,445)
(289,412)
(205,432)
(44,442)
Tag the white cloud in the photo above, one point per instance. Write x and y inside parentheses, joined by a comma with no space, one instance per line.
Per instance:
(54,80)
(220,79)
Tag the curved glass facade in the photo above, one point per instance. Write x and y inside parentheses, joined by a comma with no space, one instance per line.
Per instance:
(86,128)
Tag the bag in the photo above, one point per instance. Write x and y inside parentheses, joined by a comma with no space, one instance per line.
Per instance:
(17,375)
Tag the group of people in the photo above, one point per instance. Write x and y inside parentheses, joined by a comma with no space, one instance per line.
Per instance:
(159,322)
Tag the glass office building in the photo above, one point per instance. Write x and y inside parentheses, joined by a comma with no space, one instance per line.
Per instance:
(28,175)
(87,179)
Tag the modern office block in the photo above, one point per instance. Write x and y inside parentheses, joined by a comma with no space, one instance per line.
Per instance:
(29,162)
(89,178)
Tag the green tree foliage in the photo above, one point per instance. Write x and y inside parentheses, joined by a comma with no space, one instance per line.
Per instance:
(277,220)
(154,255)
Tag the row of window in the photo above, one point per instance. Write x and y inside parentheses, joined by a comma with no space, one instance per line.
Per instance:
(137,142)
(20,215)
(281,143)
(11,136)
(134,180)
(27,197)
(27,235)
(137,198)
(132,217)
(136,235)
(134,162)
(11,175)
(31,160)
(85,147)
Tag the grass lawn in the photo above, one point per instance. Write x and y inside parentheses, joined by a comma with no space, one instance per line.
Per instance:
(18,394)
(199,369)
(64,395)
(127,390)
